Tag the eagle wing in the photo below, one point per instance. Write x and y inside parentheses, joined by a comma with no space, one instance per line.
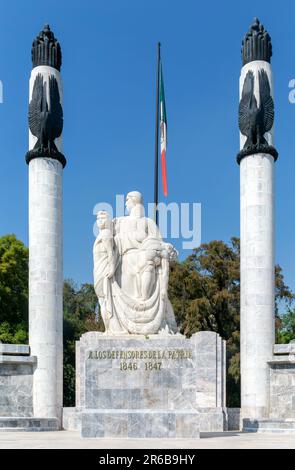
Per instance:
(35,106)
(56,112)
(244,106)
(266,101)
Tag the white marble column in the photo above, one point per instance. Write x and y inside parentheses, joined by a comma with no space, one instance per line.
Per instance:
(46,273)
(46,284)
(257,266)
(257,282)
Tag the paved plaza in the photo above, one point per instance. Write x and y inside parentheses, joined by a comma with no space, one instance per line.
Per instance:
(72,440)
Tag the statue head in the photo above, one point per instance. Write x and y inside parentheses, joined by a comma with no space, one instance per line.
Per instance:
(133,199)
(103,220)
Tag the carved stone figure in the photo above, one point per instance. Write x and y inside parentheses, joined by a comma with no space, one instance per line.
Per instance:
(131,272)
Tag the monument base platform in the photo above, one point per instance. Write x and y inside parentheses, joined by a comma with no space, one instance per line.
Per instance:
(155,386)
(210,420)
(140,424)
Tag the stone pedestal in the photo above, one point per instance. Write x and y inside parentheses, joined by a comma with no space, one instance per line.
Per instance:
(16,391)
(156,386)
(257,192)
(16,380)
(46,162)
(281,381)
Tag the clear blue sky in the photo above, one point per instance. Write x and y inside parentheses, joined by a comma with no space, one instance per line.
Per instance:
(109,58)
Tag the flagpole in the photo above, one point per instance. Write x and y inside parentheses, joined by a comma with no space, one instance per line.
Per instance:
(156,181)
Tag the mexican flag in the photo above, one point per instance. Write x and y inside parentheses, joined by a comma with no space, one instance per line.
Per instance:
(163,129)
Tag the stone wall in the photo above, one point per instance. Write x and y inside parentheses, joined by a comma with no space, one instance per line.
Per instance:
(281,416)
(282,382)
(16,381)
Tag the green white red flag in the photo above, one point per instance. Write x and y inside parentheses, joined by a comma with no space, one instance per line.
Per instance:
(163,129)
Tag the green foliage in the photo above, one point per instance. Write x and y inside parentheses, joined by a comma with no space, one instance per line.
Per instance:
(283,293)
(69,378)
(13,334)
(205,293)
(14,258)
(286,331)
(79,317)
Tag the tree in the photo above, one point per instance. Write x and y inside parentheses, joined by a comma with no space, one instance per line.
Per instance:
(14,259)
(286,330)
(205,293)
(80,312)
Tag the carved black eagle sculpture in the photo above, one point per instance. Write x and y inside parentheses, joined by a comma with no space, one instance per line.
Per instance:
(45,119)
(255,121)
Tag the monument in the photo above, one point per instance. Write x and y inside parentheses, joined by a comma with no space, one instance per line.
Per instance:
(31,375)
(46,163)
(141,377)
(267,370)
(256,159)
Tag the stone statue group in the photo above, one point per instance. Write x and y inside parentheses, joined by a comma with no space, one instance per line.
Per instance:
(131,272)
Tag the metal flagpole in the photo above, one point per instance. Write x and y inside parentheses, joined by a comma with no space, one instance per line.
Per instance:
(156,181)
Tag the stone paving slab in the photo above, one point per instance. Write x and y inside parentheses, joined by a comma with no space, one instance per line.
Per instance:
(72,440)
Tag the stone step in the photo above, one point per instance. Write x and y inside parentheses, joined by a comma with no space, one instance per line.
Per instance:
(29,424)
(211,419)
(269,425)
(140,424)
(15,349)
